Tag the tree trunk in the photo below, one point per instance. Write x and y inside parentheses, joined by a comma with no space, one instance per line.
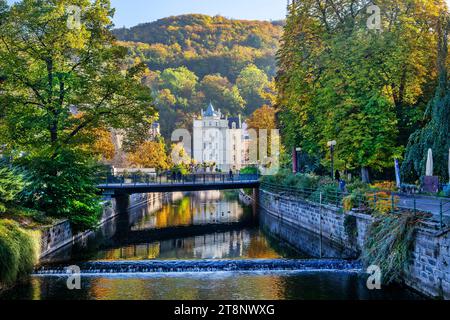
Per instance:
(365,175)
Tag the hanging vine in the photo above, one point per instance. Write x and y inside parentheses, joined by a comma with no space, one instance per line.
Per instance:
(389,243)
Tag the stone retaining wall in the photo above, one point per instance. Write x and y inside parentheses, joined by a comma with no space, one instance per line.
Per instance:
(60,235)
(429,270)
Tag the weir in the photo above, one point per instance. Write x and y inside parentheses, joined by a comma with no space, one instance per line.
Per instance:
(158,266)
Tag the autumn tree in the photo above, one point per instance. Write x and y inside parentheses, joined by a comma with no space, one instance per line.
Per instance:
(55,68)
(151,154)
(340,80)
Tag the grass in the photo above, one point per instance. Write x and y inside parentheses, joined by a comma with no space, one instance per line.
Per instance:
(19,252)
(389,243)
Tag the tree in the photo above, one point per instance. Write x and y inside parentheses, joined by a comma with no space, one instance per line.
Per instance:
(263,118)
(54,70)
(435,134)
(103,144)
(11,184)
(151,154)
(179,81)
(364,88)
(251,83)
(222,93)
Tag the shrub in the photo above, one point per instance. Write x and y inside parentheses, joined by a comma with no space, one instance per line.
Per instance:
(446,190)
(19,251)
(382,202)
(330,194)
(64,187)
(358,187)
(249,170)
(385,185)
(11,184)
(389,242)
(349,202)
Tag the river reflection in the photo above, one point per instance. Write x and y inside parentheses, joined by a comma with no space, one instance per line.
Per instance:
(188,227)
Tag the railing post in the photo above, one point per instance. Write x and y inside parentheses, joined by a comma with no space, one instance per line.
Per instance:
(415,204)
(441,208)
(337,199)
(392,203)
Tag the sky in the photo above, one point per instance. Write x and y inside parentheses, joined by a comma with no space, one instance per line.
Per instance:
(132,12)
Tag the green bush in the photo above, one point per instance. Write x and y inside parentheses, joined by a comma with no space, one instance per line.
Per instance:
(249,170)
(19,251)
(64,187)
(11,184)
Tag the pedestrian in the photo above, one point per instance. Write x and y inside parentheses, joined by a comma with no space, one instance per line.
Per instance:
(231,174)
(174,175)
(337,176)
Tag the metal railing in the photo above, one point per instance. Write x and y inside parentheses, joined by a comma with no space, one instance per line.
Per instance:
(169,179)
(369,202)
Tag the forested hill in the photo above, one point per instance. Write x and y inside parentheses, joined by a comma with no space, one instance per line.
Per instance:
(196,58)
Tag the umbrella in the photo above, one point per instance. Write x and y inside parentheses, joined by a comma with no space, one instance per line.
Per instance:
(429,170)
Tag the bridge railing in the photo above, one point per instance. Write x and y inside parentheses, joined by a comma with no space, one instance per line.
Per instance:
(153,179)
(388,202)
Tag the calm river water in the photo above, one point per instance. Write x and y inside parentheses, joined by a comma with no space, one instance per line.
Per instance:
(202,245)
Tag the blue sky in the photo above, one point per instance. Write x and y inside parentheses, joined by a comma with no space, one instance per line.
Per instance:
(132,12)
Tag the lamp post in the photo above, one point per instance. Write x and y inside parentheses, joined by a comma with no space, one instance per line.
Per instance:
(298,151)
(331,145)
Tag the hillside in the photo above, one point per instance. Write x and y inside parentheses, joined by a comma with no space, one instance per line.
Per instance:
(196,58)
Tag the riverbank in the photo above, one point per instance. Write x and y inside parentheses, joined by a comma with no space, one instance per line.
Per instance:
(428,271)
(25,241)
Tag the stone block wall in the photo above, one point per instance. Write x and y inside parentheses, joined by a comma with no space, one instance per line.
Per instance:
(429,268)
(60,235)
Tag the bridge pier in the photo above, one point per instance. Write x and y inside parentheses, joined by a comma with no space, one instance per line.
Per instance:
(122,203)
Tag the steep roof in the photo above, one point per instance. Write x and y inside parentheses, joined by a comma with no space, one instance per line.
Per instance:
(210,112)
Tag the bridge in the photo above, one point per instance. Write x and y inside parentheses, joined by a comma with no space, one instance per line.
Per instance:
(141,183)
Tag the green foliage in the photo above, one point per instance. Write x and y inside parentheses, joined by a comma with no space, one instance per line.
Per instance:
(11,184)
(64,187)
(251,83)
(389,244)
(363,88)
(197,59)
(19,250)
(436,133)
(60,85)
(204,44)
(249,170)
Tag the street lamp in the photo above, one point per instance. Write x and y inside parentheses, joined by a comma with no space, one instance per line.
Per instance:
(331,145)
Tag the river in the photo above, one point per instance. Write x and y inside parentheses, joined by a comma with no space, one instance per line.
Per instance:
(201,245)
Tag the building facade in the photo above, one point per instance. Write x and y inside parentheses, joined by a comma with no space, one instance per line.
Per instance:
(218,139)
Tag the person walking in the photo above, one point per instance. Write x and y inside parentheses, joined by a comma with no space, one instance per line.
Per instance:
(337,176)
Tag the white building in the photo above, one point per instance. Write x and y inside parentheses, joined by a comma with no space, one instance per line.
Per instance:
(218,139)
